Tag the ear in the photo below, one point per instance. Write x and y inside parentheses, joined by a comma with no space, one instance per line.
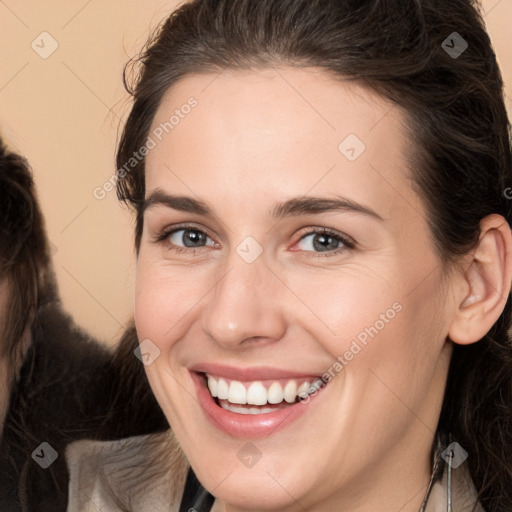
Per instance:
(487,282)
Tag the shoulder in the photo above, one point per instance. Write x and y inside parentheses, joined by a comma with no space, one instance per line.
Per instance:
(136,474)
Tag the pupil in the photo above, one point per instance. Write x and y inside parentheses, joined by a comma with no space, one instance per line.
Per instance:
(195,237)
(321,242)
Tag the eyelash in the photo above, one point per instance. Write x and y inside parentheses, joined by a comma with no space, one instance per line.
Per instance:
(162,238)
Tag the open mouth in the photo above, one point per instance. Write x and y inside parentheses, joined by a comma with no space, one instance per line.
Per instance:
(260,397)
(253,403)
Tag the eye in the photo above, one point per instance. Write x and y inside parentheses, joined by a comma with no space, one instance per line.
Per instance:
(324,241)
(321,241)
(185,239)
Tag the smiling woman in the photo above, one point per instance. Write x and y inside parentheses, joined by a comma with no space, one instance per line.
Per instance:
(326,176)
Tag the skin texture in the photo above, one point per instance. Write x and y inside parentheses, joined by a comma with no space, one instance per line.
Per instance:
(261,137)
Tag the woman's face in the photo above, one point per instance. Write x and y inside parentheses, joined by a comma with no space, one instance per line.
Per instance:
(236,280)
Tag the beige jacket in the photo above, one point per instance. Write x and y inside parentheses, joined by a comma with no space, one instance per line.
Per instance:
(147,474)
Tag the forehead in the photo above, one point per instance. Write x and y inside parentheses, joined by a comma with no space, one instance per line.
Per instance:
(280,131)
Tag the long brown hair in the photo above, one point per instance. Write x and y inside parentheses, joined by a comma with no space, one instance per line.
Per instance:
(460,161)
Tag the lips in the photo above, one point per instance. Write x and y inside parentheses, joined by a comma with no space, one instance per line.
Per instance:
(262,373)
(253,403)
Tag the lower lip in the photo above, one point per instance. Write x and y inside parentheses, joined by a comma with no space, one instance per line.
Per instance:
(249,426)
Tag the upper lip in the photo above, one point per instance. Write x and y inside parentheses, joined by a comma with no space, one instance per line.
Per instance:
(253,373)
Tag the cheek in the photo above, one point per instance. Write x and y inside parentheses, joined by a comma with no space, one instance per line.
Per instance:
(402,347)
(354,304)
(376,319)
(165,299)
(161,306)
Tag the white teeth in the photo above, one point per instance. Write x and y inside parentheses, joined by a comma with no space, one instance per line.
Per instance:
(244,410)
(222,389)
(212,386)
(275,393)
(237,393)
(302,390)
(290,392)
(257,394)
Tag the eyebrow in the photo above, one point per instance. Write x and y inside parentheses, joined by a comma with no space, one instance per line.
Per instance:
(296,206)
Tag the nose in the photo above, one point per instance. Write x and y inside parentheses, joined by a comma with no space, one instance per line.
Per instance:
(246,305)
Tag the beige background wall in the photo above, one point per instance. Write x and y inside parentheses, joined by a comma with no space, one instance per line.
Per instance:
(63,112)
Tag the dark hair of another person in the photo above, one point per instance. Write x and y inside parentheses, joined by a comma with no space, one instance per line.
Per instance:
(460,157)
(24,254)
(69,387)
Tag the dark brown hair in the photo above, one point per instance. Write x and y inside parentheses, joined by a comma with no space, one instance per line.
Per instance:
(460,161)
(69,386)
(24,251)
